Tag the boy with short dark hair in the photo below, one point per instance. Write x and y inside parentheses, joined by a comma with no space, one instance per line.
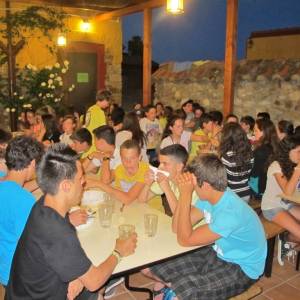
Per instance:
(49,262)
(236,258)
(21,156)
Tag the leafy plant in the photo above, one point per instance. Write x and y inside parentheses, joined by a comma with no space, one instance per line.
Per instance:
(33,21)
(38,87)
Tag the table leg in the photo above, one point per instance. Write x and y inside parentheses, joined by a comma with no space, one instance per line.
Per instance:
(270,255)
(136,289)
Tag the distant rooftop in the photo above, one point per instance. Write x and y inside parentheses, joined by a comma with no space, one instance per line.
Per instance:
(275,32)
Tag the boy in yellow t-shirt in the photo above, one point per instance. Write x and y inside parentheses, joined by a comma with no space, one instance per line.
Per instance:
(95,116)
(128,177)
(205,130)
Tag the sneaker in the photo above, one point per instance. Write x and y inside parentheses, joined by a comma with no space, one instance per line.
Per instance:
(110,289)
(287,249)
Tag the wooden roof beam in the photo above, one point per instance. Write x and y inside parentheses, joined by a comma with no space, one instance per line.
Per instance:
(230,55)
(131,10)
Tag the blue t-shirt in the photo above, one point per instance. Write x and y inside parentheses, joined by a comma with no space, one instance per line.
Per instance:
(242,238)
(16,204)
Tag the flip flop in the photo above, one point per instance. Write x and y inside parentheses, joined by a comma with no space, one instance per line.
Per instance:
(168,293)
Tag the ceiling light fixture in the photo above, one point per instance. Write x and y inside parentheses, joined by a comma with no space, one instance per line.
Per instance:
(85,26)
(175,6)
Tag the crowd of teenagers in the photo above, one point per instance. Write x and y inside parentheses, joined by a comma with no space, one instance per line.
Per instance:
(212,167)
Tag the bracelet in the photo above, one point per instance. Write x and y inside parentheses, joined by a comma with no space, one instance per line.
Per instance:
(117,254)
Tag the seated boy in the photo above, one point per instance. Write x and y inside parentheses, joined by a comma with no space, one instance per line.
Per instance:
(128,177)
(16,202)
(81,141)
(172,159)
(235,257)
(5,137)
(49,262)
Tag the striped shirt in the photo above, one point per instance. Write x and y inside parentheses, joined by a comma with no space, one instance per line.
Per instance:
(236,178)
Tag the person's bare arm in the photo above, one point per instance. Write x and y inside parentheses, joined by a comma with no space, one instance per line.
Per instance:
(124,197)
(74,289)
(146,193)
(163,181)
(95,277)
(106,174)
(288,186)
(199,138)
(188,215)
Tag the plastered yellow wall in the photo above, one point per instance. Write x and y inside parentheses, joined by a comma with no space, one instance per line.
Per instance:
(274,47)
(108,33)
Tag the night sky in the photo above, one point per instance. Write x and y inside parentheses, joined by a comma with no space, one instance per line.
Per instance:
(199,33)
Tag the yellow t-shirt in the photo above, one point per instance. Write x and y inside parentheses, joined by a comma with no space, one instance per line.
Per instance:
(94,118)
(162,122)
(195,145)
(125,182)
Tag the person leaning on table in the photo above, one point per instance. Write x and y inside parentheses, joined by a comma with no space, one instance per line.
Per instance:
(49,262)
(235,257)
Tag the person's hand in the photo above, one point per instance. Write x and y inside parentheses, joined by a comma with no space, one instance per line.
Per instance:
(126,247)
(162,180)
(149,177)
(297,169)
(186,183)
(78,217)
(74,289)
(100,155)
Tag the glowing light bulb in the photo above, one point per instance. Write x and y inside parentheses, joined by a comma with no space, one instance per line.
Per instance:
(175,6)
(85,26)
(61,40)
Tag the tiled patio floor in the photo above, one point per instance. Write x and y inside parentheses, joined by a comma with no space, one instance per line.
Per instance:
(283,285)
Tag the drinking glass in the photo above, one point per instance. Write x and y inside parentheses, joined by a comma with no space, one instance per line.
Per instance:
(108,199)
(105,214)
(150,221)
(125,231)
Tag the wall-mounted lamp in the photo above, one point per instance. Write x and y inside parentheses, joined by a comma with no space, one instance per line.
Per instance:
(85,26)
(175,6)
(61,40)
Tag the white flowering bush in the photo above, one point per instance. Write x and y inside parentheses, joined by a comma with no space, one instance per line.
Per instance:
(38,87)
(44,86)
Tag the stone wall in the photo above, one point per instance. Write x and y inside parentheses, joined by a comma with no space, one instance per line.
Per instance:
(260,85)
(113,77)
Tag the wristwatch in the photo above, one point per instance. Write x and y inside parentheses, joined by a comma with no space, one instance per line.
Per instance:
(117,255)
(105,158)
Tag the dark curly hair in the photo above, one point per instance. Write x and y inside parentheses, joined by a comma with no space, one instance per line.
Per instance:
(21,151)
(283,154)
(235,139)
